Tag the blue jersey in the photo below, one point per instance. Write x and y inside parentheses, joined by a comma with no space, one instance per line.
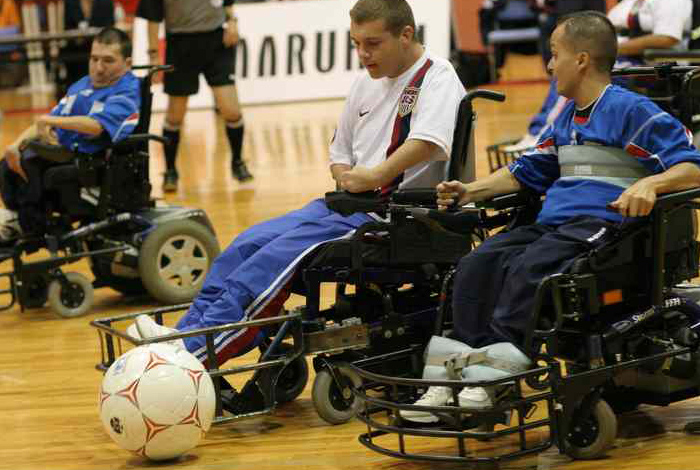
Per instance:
(115,107)
(619,118)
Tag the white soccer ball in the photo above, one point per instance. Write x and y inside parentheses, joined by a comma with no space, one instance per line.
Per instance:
(157,401)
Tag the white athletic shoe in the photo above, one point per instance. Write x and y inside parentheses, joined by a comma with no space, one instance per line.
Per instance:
(133,331)
(147,328)
(526,142)
(475,397)
(9,225)
(434,396)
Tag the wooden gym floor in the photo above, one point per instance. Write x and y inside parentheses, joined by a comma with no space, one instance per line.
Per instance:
(48,385)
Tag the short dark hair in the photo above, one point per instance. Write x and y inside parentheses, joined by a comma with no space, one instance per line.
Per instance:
(592,31)
(397,14)
(111,35)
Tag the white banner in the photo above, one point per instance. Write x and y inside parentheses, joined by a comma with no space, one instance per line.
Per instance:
(292,51)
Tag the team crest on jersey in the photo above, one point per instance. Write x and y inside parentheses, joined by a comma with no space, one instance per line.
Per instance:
(408,100)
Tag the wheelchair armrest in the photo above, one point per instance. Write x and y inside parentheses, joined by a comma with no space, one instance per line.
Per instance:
(54,153)
(138,138)
(415,197)
(672,199)
(507,201)
(346,203)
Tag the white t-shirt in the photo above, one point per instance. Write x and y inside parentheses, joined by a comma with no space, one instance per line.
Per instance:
(663,17)
(367,121)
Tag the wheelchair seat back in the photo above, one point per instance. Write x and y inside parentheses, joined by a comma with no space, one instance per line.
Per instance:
(119,175)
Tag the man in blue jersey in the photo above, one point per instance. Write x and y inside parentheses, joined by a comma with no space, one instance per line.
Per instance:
(608,146)
(100,109)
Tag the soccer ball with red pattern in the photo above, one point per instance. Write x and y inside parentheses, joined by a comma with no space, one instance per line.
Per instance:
(157,401)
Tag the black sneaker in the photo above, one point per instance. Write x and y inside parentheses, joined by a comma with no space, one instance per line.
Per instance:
(240,171)
(170,178)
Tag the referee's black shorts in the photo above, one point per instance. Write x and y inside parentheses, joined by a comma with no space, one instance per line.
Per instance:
(195,53)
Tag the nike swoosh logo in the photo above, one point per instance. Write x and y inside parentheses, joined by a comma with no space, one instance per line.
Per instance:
(363,113)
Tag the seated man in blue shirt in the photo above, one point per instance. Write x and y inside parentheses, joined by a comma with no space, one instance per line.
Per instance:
(608,145)
(99,109)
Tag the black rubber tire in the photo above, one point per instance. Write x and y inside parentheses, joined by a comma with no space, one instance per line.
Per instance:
(75,302)
(590,438)
(292,380)
(197,246)
(330,402)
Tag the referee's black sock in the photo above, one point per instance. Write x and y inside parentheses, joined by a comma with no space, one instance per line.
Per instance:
(234,132)
(172,133)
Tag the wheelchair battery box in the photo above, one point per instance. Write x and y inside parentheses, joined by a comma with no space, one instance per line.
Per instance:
(416,241)
(336,339)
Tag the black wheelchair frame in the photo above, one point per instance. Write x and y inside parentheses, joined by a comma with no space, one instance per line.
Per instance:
(374,320)
(116,228)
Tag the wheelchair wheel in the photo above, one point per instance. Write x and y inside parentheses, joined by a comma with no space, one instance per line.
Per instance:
(590,436)
(174,260)
(333,404)
(74,299)
(292,380)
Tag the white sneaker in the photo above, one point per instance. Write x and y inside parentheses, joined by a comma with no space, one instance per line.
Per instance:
(133,331)
(475,397)
(434,396)
(526,142)
(147,328)
(9,225)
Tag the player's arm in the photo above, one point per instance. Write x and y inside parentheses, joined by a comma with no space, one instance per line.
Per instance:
(636,46)
(499,182)
(412,152)
(30,133)
(337,169)
(638,200)
(81,124)
(13,152)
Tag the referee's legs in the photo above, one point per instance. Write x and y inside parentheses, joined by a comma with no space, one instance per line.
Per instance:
(177,107)
(226,98)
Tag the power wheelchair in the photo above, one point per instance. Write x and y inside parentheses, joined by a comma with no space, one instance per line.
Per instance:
(99,207)
(388,277)
(618,329)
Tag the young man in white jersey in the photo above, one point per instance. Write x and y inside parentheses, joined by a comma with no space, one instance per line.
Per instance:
(395,131)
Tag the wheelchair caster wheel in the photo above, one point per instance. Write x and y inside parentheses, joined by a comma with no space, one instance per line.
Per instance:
(72,299)
(590,436)
(174,259)
(292,380)
(334,404)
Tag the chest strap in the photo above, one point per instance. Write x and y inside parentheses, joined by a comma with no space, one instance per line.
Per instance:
(600,163)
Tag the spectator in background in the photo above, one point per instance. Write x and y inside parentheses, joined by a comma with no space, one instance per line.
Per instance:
(81,14)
